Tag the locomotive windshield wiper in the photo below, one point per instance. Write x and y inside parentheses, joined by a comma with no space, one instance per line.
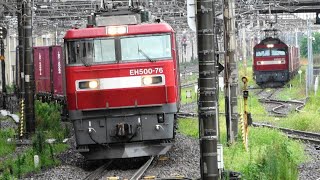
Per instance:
(86,64)
(145,55)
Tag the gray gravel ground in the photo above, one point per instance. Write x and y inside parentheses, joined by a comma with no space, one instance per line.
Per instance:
(191,107)
(183,160)
(60,173)
(311,170)
(7,122)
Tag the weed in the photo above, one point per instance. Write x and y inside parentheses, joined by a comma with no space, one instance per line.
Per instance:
(10,89)
(24,164)
(48,119)
(48,126)
(5,147)
(38,142)
(271,154)
(189,126)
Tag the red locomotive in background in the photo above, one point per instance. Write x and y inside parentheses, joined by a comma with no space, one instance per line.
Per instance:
(274,62)
(122,86)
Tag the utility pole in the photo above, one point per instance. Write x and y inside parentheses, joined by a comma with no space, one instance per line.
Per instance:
(296,38)
(3,72)
(230,71)
(3,34)
(310,59)
(20,67)
(28,66)
(244,49)
(184,46)
(208,99)
(192,53)
(20,59)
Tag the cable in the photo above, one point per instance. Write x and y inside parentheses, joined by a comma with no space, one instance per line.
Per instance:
(104,145)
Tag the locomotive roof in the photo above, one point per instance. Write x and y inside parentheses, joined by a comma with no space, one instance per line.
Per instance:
(271,40)
(132,30)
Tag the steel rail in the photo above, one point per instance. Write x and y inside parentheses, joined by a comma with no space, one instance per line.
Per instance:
(298,108)
(188,85)
(142,169)
(98,173)
(294,134)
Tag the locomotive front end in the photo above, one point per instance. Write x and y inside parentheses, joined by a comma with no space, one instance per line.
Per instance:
(271,62)
(122,89)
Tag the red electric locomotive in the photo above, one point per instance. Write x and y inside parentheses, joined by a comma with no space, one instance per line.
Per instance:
(274,62)
(122,86)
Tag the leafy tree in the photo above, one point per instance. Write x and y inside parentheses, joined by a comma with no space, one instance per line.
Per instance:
(315,45)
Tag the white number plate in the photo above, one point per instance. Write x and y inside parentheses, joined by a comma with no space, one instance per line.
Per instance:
(135,72)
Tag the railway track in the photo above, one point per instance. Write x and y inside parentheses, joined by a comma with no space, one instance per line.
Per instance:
(309,137)
(102,171)
(267,93)
(138,174)
(188,85)
(98,173)
(280,108)
(275,107)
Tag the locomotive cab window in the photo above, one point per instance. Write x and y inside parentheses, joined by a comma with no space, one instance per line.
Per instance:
(104,50)
(142,48)
(262,52)
(278,52)
(270,52)
(89,52)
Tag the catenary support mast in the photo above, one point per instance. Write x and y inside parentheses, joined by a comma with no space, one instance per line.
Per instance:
(3,72)
(28,66)
(208,100)
(19,65)
(230,72)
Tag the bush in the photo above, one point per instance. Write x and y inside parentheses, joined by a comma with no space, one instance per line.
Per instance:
(271,155)
(48,119)
(5,147)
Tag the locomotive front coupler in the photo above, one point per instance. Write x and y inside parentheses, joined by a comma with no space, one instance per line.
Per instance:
(123,130)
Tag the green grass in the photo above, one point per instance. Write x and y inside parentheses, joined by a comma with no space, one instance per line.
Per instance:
(48,119)
(295,89)
(189,127)
(271,154)
(5,147)
(24,164)
(47,126)
(185,79)
(308,119)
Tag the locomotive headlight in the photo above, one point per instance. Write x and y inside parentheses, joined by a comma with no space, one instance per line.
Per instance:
(270,45)
(93,84)
(114,30)
(89,84)
(147,80)
(152,80)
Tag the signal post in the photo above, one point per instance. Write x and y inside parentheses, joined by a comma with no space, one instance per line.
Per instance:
(3,35)
(208,98)
(28,67)
(230,72)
